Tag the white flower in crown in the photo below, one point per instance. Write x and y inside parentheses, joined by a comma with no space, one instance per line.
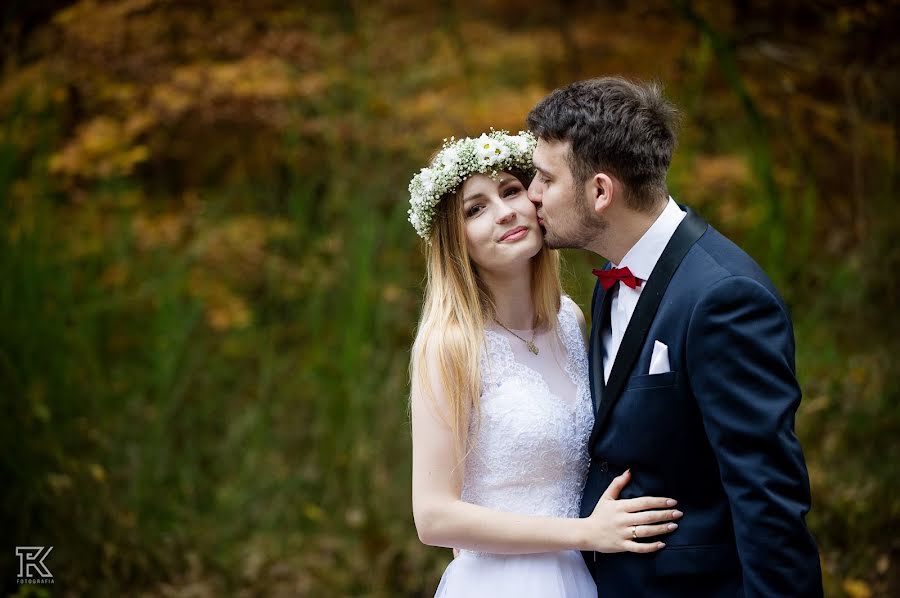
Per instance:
(488,150)
(458,160)
(427,179)
(502,153)
(449,157)
(517,142)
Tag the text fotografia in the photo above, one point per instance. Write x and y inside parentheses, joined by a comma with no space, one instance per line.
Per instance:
(32,568)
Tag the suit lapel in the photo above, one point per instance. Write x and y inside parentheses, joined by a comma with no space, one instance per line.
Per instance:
(691,228)
(599,313)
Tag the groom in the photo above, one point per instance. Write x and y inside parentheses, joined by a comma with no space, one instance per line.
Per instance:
(691,358)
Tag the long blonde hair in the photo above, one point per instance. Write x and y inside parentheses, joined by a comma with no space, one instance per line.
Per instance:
(456,306)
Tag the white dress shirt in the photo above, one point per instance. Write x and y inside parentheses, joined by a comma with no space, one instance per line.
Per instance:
(640,259)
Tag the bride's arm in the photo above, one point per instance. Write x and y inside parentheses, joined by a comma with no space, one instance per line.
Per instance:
(443,519)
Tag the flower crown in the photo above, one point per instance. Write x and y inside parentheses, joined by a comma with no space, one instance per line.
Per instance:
(458,160)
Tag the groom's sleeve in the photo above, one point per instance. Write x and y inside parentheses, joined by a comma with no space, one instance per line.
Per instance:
(740,362)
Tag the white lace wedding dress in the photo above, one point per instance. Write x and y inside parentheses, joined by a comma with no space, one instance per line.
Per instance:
(528,455)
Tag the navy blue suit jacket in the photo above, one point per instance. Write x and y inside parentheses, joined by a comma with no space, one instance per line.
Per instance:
(716,432)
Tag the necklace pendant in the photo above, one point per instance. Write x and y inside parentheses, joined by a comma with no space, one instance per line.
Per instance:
(532,347)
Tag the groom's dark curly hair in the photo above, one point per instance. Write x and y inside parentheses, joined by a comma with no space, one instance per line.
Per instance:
(616,126)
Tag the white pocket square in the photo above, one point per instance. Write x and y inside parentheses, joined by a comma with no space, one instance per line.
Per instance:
(659,362)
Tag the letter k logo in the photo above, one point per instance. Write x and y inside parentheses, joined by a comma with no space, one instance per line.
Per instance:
(31,559)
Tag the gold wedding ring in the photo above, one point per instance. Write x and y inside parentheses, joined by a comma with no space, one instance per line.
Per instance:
(634,532)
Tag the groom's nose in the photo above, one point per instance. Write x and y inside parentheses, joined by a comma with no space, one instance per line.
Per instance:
(534,194)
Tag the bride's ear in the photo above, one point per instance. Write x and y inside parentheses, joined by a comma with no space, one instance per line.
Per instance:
(601,190)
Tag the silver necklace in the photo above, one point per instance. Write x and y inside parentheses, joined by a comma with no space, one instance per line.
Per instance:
(530,344)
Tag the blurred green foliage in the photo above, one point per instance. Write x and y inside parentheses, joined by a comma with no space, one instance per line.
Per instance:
(209,286)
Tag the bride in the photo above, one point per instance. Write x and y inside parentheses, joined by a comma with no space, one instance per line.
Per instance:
(500,401)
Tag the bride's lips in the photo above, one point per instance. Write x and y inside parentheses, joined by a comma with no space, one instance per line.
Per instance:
(514,234)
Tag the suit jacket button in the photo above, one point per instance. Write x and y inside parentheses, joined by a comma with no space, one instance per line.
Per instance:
(604,466)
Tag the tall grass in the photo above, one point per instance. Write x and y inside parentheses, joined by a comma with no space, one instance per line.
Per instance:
(144,443)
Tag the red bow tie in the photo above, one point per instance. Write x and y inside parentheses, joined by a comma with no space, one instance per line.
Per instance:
(609,277)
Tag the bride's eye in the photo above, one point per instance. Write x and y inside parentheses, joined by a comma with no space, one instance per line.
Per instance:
(474,210)
(510,191)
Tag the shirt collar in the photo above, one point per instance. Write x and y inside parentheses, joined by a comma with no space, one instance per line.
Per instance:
(643,255)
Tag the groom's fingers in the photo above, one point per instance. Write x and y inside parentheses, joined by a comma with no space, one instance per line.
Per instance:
(616,486)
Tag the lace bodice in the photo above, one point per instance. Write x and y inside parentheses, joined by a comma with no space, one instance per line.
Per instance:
(529,447)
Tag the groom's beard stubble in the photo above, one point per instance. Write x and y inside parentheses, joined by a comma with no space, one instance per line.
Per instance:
(585,226)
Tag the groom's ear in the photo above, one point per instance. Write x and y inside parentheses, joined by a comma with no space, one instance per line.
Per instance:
(601,192)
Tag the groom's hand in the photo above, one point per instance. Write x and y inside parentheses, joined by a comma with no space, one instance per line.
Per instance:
(616,525)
